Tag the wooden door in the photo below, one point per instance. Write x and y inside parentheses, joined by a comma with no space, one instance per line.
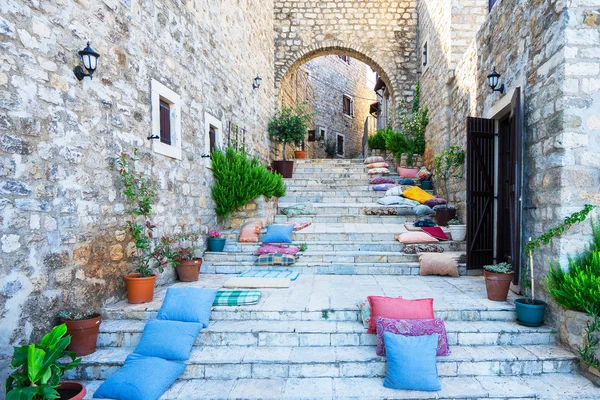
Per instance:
(480,192)
(514,181)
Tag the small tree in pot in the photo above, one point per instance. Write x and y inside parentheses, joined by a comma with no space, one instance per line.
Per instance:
(497,280)
(289,126)
(530,311)
(83,328)
(184,245)
(446,166)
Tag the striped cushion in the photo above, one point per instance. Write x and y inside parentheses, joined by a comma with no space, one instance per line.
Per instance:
(227,297)
(373,159)
(275,259)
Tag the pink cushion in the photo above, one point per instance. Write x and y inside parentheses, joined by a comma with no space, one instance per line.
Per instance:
(416,237)
(408,172)
(412,327)
(399,308)
(436,232)
(268,248)
(381,179)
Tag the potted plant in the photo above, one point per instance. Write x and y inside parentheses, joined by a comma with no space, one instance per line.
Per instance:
(457,230)
(497,280)
(216,241)
(187,264)
(141,193)
(300,154)
(38,370)
(530,311)
(289,126)
(83,328)
(446,166)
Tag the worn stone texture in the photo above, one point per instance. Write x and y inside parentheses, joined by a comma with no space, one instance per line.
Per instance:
(321,84)
(379,33)
(61,208)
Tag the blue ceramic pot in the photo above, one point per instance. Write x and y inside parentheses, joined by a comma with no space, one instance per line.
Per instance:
(216,244)
(530,313)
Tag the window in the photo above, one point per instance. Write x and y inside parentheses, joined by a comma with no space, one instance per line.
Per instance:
(166,120)
(213,134)
(425,54)
(345,59)
(491,4)
(339,145)
(322,133)
(348,106)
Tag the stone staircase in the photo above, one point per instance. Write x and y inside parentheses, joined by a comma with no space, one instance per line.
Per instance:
(307,342)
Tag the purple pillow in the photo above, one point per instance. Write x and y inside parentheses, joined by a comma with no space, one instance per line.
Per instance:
(412,327)
(276,249)
(383,187)
(381,179)
(434,202)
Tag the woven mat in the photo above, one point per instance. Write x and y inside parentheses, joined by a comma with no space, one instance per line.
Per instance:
(257,283)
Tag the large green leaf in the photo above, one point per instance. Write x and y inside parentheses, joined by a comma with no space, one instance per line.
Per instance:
(48,392)
(35,363)
(19,357)
(51,338)
(55,352)
(26,393)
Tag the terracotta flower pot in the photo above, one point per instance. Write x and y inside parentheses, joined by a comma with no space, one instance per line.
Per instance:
(300,154)
(497,285)
(443,215)
(285,168)
(84,334)
(71,390)
(188,270)
(140,290)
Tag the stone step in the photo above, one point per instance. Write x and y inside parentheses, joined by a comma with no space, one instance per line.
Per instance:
(293,188)
(333,181)
(325,333)
(320,256)
(331,268)
(564,386)
(349,219)
(325,175)
(231,362)
(326,198)
(342,208)
(344,245)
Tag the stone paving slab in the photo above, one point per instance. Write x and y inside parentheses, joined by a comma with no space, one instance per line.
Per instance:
(541,387)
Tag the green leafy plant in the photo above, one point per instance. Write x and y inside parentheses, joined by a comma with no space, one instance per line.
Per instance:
(183,245)
(377,141)
(330,147)
(76,315)
(546,237)
(37,368)
(325,313)
(303,247)
(501,268)
(141,194)
(447,165)
(289,125)
(454,221)
(239,179)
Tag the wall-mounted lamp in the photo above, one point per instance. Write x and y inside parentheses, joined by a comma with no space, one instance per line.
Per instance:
(90,61)
(257,82)
(425,54)
(493,81)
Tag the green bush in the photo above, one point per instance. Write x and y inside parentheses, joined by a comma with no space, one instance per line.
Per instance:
(377,141)
(241,179)
(579,287)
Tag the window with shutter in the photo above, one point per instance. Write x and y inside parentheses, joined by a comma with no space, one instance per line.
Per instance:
(340,145)
(165,122)
(348,106)
(212,138)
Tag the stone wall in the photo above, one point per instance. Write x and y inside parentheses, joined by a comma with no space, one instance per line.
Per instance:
(63,242)
(379,33)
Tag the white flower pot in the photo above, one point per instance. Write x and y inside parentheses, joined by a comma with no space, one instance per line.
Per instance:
(458,232)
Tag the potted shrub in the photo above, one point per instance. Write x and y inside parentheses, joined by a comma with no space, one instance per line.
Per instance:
(300,154)
(530,311)
(83,329)
(497,280)
(216,241)
(38,370)
(289,126)
(141,193)
(187,264)
(457,230)
(446,166)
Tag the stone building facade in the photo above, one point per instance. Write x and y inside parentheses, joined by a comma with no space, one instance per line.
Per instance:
(62,239)
(324,84)
(548,49)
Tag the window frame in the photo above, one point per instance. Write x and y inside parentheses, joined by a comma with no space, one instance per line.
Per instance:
(351,105)
(337,135)
(158,93)
(211,120)
(322,136)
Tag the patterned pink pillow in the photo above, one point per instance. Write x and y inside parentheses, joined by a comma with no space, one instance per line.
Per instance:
(267,248)
(380,179)
(298,225)
(412,327)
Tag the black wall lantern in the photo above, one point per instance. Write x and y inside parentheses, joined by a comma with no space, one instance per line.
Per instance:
(493,81)
(89,58)
(257,82)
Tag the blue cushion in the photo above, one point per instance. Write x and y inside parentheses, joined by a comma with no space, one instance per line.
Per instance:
(423,210)
(141,378)
(407,181)
(171,340)
(278,234)
(423,222)
(411,362)
(188,304)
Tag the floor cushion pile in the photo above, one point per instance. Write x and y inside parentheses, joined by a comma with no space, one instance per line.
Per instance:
(278,234)
(398,308)
(412,327)
(374,159)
